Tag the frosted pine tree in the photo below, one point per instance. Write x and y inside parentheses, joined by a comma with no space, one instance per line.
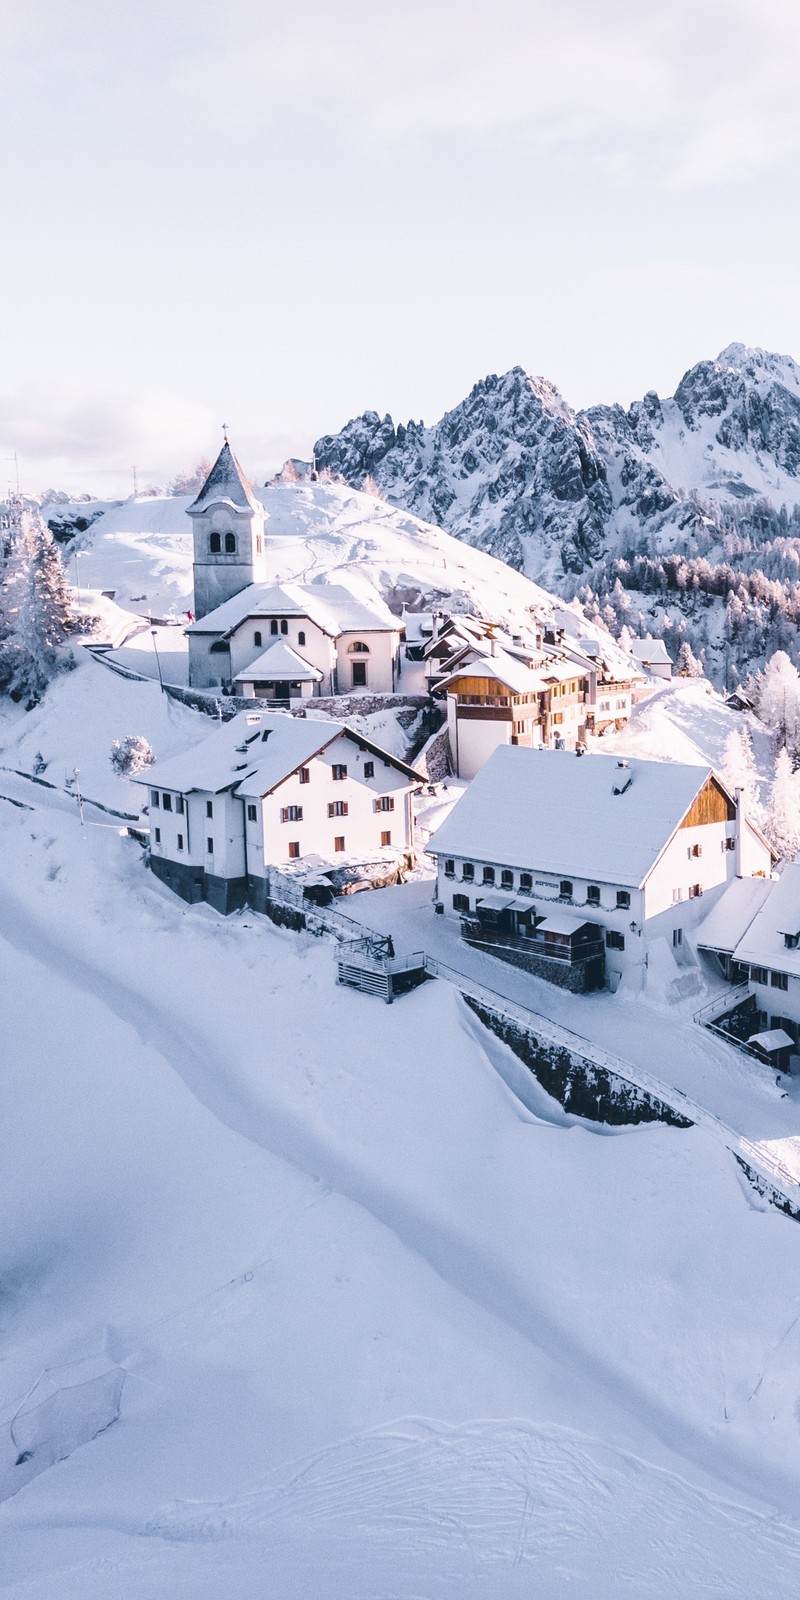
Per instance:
(686,662)
(782,822)
(778,699)
(36,607)
(740,772)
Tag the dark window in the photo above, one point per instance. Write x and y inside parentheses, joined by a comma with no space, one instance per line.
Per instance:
(677,937)
(257,637)
(304,775)
(230,544)
(209,808)
(166,802)
(758,974)
(179,805)
(565,889)
(468,872)
(294,849)
(386,838)
(614,941)
(729,844)
(337,808)
(338,843)
(526,882)
(623,899)
(215,544)
(506,879)
(369,769)
(338,772)
(301,638)
(696,850)
(258,544)
(778,980)
(695,891)
(210,846)
(252,814)
(158,836)
(154,798)
(180,841)
(284,625)
(593,894)
(385,803)
(449,869)
(273,627)
(291,813)
(359,648)
(359,674)
(488,874)
(461,902)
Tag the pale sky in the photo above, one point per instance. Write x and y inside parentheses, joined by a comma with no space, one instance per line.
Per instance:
(278,215)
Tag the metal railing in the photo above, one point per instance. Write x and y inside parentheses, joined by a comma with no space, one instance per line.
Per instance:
(481,933)
(721,1004)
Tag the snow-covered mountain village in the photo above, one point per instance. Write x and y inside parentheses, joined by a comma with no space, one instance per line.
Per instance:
(275,758)
(399,801)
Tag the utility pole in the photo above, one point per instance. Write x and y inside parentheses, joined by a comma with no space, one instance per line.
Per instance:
(135,483)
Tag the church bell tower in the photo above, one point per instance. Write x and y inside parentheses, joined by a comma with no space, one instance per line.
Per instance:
(228,532)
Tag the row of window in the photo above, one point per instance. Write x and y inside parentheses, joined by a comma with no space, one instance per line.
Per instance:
(164,801)
(209,842)
(776,980)
(525,885)
(277,625)
(336,808)
(338,845)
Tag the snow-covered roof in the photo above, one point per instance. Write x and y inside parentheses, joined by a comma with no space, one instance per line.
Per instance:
(254,752)
(513,674)
(764,945)
(772,1039)
(226,483)
(563,922)
(556,812)
(237,753)
(649,650)
(330,605)
(279,662)
(731,915)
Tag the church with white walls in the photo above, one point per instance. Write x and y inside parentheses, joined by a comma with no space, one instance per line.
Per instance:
(276,642)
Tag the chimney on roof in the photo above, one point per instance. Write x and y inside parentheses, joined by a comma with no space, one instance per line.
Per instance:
(623,780)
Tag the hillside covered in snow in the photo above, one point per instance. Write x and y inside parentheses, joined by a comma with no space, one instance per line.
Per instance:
(711,474)
(141,551)
(384,1326)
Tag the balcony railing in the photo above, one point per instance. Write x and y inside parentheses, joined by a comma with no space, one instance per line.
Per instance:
(475,932)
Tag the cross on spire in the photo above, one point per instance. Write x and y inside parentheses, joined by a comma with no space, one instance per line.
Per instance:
(225,431)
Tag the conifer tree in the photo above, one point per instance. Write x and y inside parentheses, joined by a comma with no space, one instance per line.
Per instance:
(36,607)
(782,823)
(740,772)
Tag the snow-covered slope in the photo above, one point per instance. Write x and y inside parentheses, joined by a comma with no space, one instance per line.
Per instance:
(385,1329)
(322,532)
(516,471)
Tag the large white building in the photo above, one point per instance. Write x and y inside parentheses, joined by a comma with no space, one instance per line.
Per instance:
(270,790)
(549,853)
(756,936)
(279,642)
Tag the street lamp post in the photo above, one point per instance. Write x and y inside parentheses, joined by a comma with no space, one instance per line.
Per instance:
(158,660)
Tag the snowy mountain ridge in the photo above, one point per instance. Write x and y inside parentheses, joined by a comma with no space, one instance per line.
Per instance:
(553,491)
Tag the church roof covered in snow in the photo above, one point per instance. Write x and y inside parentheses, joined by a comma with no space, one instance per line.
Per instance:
(226,482)
(593,817)
(277,663)
(330,605)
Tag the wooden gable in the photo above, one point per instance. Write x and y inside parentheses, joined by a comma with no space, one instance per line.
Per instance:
(711,805)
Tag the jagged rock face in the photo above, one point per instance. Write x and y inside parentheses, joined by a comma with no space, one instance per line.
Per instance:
(514,470)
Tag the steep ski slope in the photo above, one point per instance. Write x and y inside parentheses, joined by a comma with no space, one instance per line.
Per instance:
(515,470)
(386,1332)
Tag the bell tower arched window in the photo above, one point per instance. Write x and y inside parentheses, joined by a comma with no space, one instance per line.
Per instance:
(214,544)
(230,544)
